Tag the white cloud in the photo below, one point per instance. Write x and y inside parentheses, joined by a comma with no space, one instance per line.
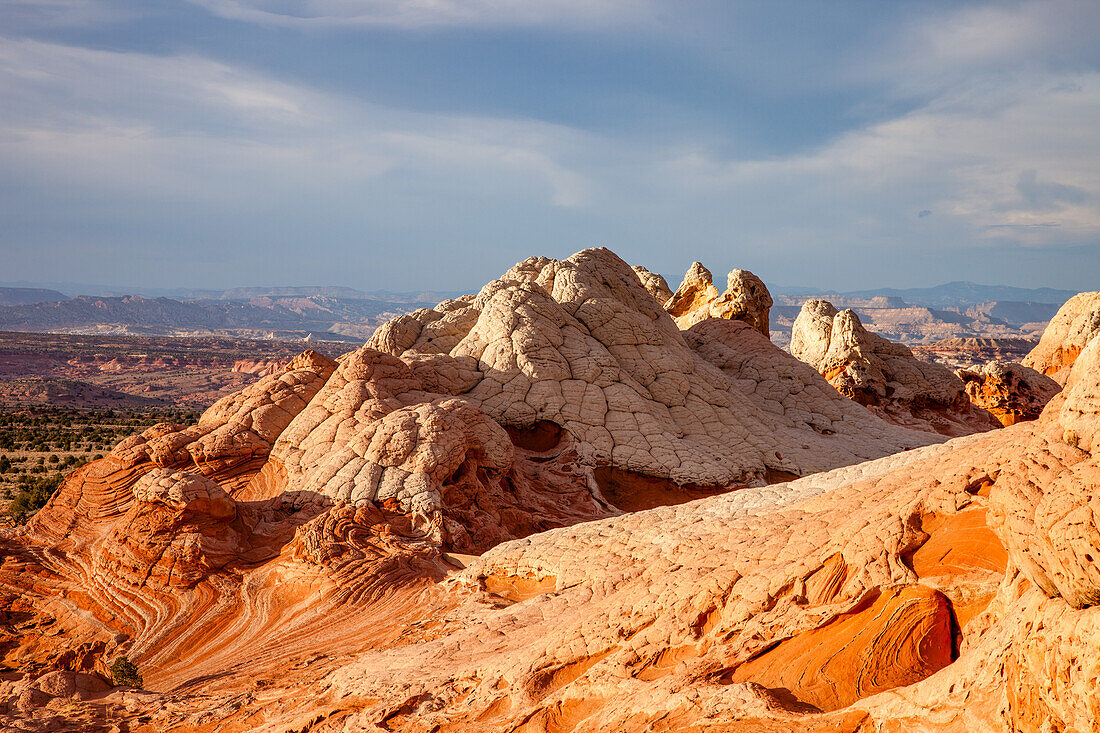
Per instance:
(998,145)
(56,85)
(429,13)
(1016,162)
(191,127)
(935,50)
(31,14)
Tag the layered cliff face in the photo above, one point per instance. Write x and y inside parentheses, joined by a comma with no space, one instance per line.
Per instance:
(746,299)
(1067,334)
(948,588)
(1011,392)
(883,375)
(968,353)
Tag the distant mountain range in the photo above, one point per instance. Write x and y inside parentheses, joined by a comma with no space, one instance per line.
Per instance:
(960,294)
(64,290)
(913,315)
(287,317)
(29,296)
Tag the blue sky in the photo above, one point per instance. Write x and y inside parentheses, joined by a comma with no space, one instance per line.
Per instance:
(388,144)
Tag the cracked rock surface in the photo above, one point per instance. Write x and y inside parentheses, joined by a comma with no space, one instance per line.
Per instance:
(1011,392)
(1067,334)
(515,511)
(883,375)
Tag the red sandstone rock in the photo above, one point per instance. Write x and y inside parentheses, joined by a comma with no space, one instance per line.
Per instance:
(291,572)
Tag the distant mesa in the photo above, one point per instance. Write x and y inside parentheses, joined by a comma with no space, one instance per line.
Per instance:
(260,367)
(973,351)
(285,317)
(959,294)
(914,316)
(29,296)
(47,392)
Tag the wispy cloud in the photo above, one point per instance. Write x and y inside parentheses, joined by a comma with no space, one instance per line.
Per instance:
(937,49)
(972,153)
(984,114)
(189,126)
(1039,195)
(429,13)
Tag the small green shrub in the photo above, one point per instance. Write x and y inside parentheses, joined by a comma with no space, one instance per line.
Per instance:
(32,495)
(125,673)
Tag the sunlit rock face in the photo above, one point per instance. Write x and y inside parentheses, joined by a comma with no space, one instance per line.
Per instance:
(654,284)
(580,344)
(1010,392)
(1067,334)
(547,507)
(746,299)
(883,375)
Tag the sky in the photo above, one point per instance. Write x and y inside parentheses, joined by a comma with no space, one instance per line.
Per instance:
(431,144)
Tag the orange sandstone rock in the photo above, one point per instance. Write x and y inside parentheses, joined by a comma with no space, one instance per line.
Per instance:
(1072,327)
(897,638)
(746,299)
(1010,392)
(882,375)
(297,574)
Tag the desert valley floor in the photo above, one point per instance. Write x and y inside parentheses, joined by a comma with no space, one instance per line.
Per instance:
(575,501)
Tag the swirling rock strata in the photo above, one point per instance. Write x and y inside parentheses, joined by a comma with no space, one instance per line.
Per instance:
(875,597)
(333,489)
(418,540)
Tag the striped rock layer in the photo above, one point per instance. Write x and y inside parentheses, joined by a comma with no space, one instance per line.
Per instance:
(424,535)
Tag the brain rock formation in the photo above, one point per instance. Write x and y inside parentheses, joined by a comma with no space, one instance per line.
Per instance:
(883,375)
(948,588)
(579,345)
(437,532)
(1067,334)
(653,283)
(561,393)
(1011,392)
(697,299)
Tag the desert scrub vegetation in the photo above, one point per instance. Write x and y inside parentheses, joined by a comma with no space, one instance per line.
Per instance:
(32,494)
(65,430)
(40,446)
(125,673)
